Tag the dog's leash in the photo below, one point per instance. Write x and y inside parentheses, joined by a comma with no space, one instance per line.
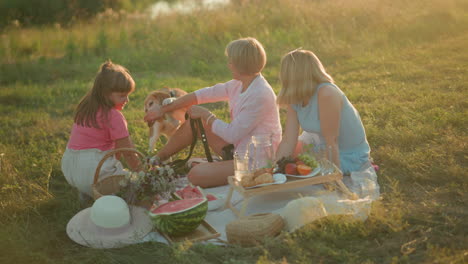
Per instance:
(203,138)
(194,123)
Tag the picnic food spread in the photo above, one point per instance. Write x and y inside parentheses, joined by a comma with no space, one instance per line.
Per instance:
(179,214)
(303,164)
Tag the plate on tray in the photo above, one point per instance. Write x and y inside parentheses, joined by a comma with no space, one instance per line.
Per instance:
(216,204)
(278,177)
(315,172)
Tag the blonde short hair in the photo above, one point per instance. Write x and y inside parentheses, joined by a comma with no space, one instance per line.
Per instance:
(247,55)
(301,71)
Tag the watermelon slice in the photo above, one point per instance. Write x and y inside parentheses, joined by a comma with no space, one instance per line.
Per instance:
(179,217)
(190,192)
(211,197)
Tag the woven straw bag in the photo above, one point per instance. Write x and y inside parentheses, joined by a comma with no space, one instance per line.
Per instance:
(109,185)
(251,230)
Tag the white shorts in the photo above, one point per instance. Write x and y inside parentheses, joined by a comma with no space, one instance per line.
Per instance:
(79,167)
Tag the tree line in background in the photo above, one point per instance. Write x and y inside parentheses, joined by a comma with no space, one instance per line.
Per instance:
(64,12)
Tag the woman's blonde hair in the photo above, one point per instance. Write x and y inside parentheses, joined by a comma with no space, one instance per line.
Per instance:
(247,55)
(301,71)
(110,78)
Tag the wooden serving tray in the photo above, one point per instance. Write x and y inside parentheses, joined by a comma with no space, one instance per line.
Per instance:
(291,183)
(203,232)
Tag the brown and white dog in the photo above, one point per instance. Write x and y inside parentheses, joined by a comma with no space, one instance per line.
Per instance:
(171,121)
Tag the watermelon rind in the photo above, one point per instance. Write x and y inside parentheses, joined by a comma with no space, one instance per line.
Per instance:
(180,222)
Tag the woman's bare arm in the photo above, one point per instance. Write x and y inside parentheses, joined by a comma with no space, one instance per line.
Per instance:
(289,141)
(131,158)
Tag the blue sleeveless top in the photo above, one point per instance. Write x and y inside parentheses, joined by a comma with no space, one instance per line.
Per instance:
(352,143)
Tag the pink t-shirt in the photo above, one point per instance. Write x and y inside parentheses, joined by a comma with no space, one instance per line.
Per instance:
(253,112)
(104,138)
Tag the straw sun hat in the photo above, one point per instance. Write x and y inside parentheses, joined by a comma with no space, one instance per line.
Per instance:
(302,211)
(109,223)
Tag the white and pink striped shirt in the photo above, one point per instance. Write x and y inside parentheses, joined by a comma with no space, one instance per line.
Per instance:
(253,112)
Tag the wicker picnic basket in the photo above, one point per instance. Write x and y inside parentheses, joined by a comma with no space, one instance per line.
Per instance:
(110,185)
(251,230)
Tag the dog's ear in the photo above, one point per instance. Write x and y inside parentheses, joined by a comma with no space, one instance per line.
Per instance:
(159,96)
(148,98)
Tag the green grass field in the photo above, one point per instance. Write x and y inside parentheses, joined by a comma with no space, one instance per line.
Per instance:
(403,64)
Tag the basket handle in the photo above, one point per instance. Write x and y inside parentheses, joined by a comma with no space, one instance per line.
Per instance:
(110,154)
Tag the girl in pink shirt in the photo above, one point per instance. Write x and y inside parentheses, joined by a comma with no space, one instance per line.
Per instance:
(252,106)
(99,127)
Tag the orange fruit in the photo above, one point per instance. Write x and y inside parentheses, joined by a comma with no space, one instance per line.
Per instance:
(304,169)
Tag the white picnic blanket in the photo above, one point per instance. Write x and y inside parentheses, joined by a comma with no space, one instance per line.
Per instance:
(363,183)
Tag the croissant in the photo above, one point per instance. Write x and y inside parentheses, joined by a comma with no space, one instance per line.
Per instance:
(264,178)
(262,171)
(247,181)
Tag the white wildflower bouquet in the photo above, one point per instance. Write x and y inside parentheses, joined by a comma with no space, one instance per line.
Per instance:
(147,184)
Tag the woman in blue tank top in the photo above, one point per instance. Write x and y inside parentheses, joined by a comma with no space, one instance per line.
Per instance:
(315,104)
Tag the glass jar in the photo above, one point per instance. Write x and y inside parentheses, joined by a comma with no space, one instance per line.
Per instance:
(261,152)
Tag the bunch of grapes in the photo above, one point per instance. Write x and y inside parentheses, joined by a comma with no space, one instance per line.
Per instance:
(308,160)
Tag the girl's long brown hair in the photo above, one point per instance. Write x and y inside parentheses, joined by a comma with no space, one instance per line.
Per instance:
(110,78)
